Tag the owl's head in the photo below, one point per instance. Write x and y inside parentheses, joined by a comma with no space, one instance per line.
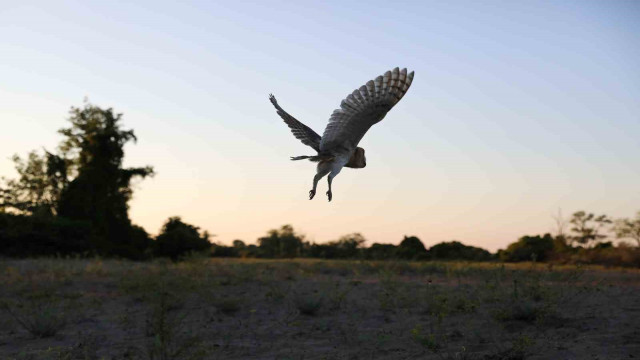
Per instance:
(357,160)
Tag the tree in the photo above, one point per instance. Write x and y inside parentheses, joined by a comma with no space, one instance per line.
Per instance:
(411,248)
(587,227)
(102,188)
(36,191)
(178,238)
(628,228)
(282,243)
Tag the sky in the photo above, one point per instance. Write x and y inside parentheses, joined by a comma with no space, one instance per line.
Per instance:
(517,109)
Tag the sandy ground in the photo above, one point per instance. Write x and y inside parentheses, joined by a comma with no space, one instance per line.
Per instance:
(303,309)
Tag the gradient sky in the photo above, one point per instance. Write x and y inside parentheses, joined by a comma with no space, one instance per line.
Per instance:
(517,109)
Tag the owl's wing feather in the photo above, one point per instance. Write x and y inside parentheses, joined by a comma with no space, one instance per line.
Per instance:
(363,108)
(301,131)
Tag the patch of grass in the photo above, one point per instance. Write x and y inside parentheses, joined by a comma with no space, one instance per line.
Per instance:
(169,339)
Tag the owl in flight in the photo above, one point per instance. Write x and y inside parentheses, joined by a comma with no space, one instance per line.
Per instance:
(338,146)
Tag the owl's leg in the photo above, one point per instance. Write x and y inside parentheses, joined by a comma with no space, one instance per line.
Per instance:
(330,178)
(322,171)
(333,174)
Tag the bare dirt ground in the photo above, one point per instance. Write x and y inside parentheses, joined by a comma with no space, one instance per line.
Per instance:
(309,309)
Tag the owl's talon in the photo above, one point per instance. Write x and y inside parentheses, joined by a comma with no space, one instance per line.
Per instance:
(329,195)
(312,193)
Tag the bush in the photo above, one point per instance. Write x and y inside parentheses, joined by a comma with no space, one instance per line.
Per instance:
(380,251)
(22,236)
(178,238)
(347,247)
(219,250)
(411,248)
(528,248)
(455,250)
(622,255)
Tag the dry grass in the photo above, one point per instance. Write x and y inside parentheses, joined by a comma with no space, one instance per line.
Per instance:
(313,309)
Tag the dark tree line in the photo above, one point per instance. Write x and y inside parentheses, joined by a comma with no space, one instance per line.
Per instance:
(74,200)
(286,243)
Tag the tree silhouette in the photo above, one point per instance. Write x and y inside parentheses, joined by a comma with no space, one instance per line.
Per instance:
(628,228)
(178,238)
(587,227)
(282,243)
(102,188)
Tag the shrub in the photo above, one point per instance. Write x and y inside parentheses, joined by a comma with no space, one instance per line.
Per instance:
(529,248)
(347,247)
(22,236)
(455,250)
(380,251)
(411,248)
(178,238)
(622,255)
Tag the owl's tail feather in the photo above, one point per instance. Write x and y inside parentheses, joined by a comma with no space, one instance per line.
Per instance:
(314,158)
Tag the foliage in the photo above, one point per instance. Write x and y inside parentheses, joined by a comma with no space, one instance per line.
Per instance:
(23,236)
(281,243)
(628,228)
(411,248)
(380,251)
(36,191)
(347,247)
(587,227)
(621,255)
(529,248)
(178,238)
(455,250)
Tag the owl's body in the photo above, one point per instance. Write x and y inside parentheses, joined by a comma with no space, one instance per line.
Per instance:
(338,146)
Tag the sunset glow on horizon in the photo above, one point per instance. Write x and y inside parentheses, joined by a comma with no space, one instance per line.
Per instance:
(516,110)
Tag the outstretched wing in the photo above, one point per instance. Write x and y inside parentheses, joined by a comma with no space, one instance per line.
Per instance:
(301,131)
(364,107)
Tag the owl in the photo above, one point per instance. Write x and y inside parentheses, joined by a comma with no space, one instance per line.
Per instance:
(338,145)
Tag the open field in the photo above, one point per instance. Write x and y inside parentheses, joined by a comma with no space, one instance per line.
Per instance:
(311,309)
